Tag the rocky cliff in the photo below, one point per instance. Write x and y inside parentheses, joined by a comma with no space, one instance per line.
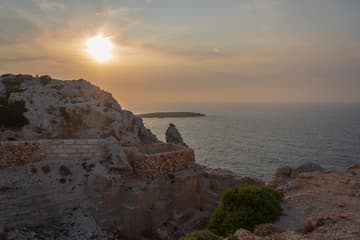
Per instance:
(317,205)
(42,107)
(74,165)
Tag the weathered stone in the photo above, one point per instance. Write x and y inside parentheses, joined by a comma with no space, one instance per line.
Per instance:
(267,229)
(173,135)
(70,109)
(243,234)
(307,167)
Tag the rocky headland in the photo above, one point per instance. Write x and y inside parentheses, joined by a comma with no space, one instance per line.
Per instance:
(75,165)
(317,204)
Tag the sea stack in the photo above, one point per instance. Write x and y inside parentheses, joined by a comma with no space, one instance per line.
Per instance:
(173,135)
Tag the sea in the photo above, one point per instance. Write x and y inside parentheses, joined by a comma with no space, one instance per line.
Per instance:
(255,139)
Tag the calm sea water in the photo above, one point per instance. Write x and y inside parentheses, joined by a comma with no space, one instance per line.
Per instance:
(254,140)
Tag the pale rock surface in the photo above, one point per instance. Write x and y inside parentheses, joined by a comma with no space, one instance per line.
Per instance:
(325,205)
(70,109)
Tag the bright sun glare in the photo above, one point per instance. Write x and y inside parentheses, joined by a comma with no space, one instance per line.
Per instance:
(99,48)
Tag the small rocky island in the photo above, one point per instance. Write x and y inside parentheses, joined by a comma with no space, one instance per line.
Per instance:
(171,115)
(75,165)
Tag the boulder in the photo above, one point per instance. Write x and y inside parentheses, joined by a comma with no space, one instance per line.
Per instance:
(173,135)
(307,167)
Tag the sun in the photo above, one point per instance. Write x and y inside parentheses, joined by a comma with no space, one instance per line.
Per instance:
(99,48)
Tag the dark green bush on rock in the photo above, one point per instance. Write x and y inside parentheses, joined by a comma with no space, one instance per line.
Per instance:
(45,80)
(201,235)
(12,114)
(245,207)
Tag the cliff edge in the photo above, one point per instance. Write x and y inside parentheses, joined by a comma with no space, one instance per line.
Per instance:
(46,108)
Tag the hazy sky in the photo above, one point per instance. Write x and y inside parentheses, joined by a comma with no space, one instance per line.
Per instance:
(189,51)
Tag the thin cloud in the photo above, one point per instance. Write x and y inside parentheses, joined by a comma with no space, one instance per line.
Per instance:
(25,59)
(48,5)
(113,12)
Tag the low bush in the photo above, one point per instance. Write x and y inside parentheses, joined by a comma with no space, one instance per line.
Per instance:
(245,207)
(13,86)
(45,80)
(201,235)
(12,114)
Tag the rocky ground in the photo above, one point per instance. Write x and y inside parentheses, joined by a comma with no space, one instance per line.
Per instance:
(73,225)
(317,205)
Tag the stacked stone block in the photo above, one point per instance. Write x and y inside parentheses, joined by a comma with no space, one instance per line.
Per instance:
(160,159)
(19,153)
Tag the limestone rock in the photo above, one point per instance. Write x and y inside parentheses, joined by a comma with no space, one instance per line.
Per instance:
(267,229)
(307,167)
(68,109)
(243,234)
(284,174)
(173,135)
(75,224)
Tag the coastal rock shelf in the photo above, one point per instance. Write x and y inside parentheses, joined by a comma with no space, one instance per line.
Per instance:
(74,164)
(70,153)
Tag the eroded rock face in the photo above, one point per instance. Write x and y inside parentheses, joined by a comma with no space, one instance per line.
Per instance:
(173,135)
(75,224)
(66,109)
(134,208)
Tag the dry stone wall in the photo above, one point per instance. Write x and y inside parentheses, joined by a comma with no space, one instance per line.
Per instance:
(150,161)
(19,153)
(160,159)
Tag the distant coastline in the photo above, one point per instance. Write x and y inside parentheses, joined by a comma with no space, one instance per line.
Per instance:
(171,115)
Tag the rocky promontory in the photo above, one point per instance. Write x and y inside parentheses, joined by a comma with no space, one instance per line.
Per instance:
(75,165)
(316,204)
(39,107)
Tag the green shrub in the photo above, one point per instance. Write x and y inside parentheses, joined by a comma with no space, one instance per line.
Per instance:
(45,80)
(245,207)
(13,86)
(201,235)
(12,114)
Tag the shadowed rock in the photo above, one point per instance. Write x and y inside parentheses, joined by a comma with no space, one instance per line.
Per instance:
(173,135)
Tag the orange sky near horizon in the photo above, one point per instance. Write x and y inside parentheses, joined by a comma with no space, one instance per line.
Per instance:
(251,51)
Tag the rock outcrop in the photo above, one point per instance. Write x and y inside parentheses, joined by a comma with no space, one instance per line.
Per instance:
(286,173)
(319,205)
(167,207)
(42,107)
(173,135)
(74,165)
